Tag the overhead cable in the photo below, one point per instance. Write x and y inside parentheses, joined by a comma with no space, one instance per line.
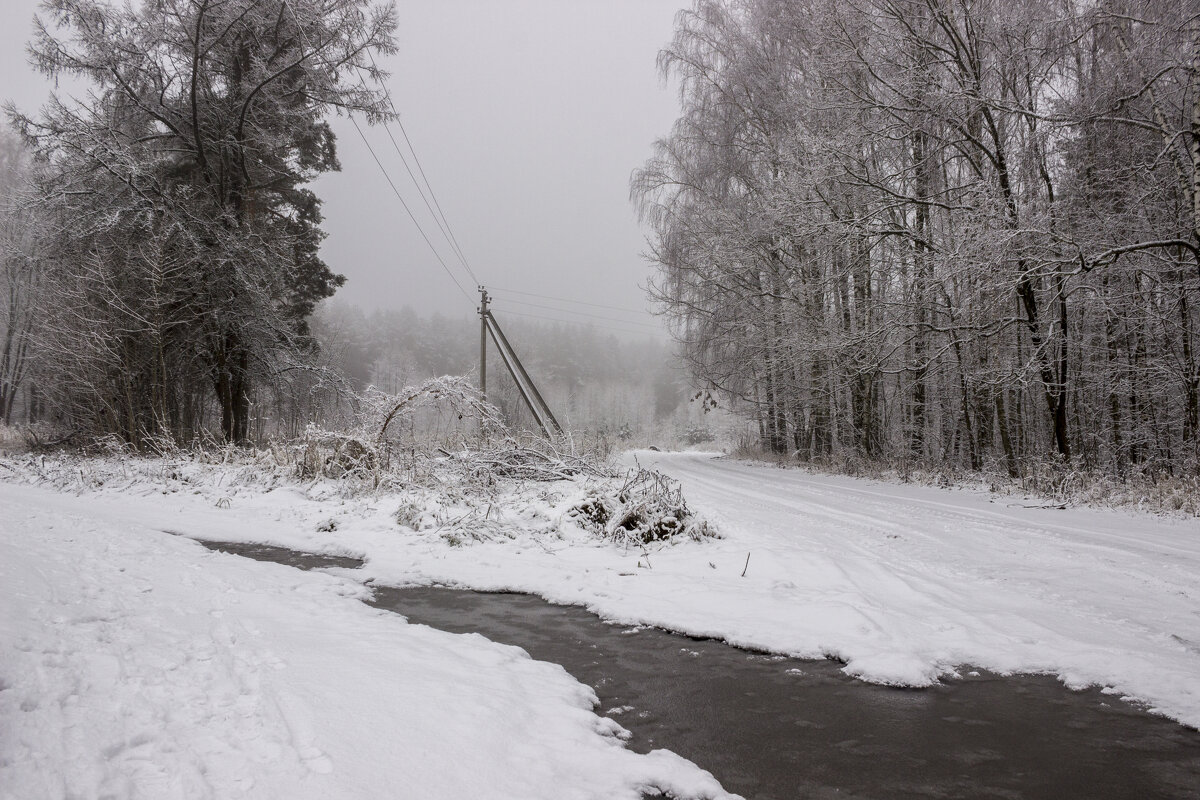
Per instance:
(378,163)
(399,197)
(584,314)
(440,221)
(568,300)
(578,323)
(448,231)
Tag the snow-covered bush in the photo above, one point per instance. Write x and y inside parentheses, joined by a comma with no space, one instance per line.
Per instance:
(646,507)
(446,412)
(445,458)
(334,455)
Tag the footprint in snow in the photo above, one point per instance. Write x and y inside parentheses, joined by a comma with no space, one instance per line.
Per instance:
(316,760)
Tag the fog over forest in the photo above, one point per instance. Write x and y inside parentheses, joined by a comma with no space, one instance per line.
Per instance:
(625,389)
(959,239)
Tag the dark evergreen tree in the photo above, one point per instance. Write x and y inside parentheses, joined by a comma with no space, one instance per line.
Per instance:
(184,177)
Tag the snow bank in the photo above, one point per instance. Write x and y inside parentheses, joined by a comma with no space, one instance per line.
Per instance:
(136,664)
(904,584)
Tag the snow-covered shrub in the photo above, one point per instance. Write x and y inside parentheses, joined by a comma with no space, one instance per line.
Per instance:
(332,454)
(39,436)
(693,435)
(416,515)
(594,511)
(527,459)
(647,507)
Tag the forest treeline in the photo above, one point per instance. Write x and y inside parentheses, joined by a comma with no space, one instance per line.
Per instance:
(940,232)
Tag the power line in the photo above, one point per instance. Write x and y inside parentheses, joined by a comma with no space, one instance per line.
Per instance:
(568,300)
(584,314)
(442,223)
(378,163)
(457,247)
(574,323)
(448,231)
(399,197)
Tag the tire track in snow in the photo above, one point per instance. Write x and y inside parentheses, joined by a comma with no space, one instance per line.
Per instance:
(1008,589)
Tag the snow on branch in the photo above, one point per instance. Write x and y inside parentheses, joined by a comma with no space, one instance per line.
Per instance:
(647,507)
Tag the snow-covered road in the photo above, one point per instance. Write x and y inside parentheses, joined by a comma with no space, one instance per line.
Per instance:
(962,577)
(108,620)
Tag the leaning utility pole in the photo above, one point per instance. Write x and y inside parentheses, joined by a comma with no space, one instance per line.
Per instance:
(542,411)
(528,390)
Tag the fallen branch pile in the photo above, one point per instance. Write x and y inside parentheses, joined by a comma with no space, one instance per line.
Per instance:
(537,461)
(647,507)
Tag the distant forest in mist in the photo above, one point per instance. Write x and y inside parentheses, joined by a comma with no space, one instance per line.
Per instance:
(630,390)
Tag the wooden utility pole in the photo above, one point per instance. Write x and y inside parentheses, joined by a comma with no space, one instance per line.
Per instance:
(483,334)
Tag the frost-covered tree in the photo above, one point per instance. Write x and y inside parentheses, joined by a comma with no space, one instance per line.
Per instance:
(961,233)
(185,236)
(18,275)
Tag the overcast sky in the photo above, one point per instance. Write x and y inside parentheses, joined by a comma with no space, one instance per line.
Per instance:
(527,115)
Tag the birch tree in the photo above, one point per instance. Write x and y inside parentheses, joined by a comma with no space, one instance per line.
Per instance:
(18,273)
(924,230)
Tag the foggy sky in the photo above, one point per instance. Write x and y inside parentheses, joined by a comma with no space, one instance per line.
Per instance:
(527,115)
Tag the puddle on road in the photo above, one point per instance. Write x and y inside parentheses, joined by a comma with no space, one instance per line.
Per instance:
(771,727)
(283,555)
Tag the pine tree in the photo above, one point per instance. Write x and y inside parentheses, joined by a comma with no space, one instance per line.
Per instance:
(184,177)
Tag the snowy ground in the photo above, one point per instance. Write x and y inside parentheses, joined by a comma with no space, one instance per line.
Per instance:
(904,583)
(136,664)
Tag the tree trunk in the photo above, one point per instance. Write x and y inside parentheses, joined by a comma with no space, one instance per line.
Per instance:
(232,388)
